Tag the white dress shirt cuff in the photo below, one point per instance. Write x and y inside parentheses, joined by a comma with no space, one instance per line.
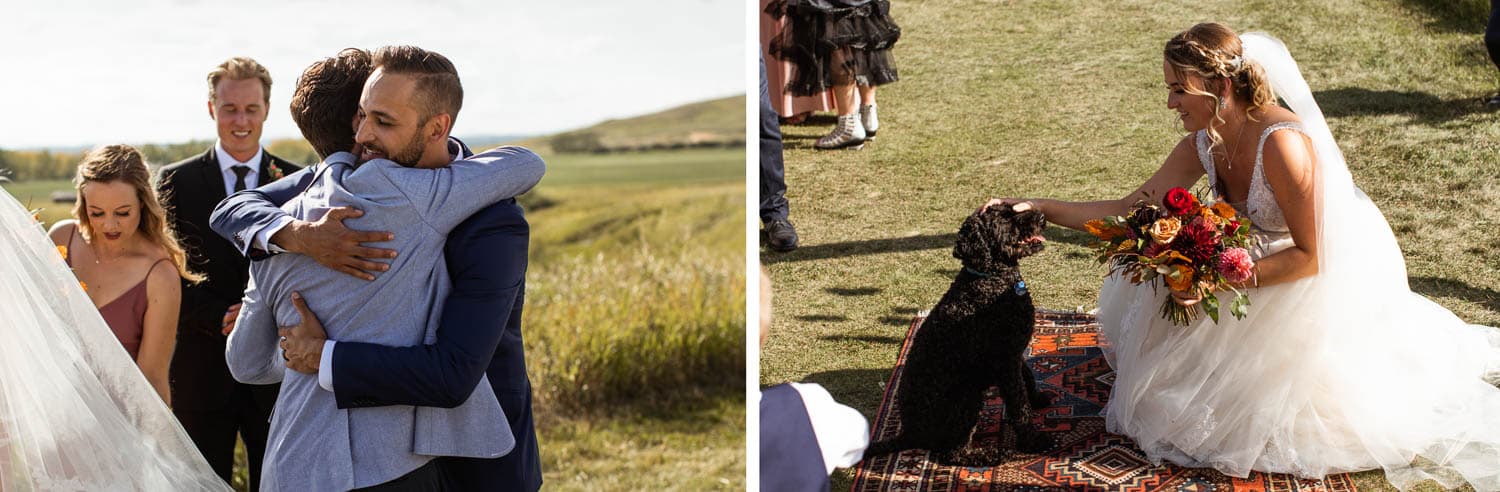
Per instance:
(262,239)
(842,432)
(325,366)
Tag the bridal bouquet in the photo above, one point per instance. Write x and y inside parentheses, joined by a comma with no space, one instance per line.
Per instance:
(1193,248)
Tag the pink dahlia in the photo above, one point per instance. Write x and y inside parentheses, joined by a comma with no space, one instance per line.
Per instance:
(1235,264)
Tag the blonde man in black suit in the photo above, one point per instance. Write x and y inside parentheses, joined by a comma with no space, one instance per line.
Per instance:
(212,407)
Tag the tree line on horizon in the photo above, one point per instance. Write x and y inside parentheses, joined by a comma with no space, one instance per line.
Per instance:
(46,164)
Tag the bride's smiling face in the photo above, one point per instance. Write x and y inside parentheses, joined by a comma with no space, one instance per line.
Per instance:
(1195,110)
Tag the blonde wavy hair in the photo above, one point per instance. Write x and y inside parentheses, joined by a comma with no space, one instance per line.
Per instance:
(1213,52)
(121,162)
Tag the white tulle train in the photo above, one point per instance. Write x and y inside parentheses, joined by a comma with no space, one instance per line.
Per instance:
(75,412)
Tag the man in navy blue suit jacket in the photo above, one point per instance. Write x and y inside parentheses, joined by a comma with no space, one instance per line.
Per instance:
(480,330)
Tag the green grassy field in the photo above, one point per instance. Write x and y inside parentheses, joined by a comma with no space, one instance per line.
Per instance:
(634,319)
(36,195)
(1066,100)
(635,310)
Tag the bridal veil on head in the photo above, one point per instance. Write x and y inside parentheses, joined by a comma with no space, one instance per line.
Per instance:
(75,412)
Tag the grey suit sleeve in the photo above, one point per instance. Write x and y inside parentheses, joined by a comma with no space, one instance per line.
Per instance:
(447,196)
(251,352)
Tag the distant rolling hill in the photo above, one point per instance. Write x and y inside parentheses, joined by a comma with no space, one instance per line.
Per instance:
(719,123)
(715,123)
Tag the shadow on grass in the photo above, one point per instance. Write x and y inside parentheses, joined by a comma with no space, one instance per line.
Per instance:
(858,388)
(864,247)
(1069,236)
(852,291)
(1453,15)
(1426,108)
(905,244)
(822,318)
(864,338)
(1442,287)
(896,320)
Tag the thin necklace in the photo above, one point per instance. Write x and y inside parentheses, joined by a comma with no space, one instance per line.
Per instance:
(1229,158)
(98,259)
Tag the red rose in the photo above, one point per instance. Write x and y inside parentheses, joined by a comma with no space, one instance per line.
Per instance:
(1180,201)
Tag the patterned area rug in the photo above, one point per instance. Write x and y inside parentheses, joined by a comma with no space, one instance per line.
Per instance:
(1068,363)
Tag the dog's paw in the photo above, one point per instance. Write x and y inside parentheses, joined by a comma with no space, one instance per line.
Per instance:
(972,457)
(1035,442)
(1041,399)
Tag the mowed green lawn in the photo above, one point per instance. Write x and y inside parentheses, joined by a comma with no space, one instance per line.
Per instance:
(634,317)
(1065,99)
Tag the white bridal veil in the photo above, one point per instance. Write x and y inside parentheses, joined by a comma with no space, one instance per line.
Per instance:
(1411,371)
(75,412)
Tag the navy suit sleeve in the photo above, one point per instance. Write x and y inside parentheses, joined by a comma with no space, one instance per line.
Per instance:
(487,260)
(239,215)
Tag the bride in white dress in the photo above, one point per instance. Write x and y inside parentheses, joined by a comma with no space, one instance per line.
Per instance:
(75,412)
(1338,366)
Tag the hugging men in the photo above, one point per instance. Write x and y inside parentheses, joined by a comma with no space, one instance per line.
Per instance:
(418,386)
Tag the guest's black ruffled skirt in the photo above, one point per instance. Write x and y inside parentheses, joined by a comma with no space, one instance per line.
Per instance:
(832,42)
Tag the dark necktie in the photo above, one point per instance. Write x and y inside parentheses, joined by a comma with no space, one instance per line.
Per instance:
(239,176)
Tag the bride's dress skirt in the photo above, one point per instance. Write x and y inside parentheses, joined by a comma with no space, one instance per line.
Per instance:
(1321,377)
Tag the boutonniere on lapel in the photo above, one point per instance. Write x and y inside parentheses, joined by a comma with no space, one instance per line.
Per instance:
(276,172)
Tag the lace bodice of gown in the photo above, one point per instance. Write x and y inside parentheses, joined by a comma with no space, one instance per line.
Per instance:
(1267,222)
(1260,205)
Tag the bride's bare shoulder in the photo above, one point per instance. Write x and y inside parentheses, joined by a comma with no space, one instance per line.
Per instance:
(1277,114)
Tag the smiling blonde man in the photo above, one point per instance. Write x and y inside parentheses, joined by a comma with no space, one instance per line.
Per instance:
(212,407)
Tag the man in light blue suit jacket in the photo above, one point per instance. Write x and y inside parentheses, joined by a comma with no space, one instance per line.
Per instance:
(486,253)
(314,445)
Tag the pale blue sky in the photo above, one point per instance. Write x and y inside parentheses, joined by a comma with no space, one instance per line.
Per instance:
(84,73)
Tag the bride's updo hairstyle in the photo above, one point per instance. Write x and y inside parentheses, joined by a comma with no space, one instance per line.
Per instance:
(1212,51)
(121,162)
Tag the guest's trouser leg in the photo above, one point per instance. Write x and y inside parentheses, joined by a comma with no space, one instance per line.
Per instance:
(246,414)
(773,204)
(213,432)
(254,403)
(1492,33)
(427,478)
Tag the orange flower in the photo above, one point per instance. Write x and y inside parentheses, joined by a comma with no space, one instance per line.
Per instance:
(1212,217)
(62,250)
(1224,210)
(84,285)
(1180,278)
(1103,230)
(1167,256)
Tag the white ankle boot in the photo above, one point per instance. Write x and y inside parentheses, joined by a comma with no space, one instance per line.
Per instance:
(867,116)
(849,133)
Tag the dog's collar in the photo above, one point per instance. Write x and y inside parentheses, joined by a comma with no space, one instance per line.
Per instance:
(1020,285)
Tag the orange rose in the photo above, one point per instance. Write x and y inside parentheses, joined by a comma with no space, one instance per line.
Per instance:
(1164,230)
(1183,278)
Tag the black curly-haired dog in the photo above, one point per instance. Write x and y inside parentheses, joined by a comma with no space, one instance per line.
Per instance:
(975,338)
